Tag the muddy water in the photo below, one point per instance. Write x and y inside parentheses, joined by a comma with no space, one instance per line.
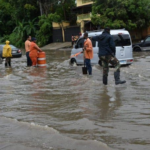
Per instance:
(60,109)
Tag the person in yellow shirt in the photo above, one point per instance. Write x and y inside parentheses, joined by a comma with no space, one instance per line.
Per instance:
(27,48)
(7,53)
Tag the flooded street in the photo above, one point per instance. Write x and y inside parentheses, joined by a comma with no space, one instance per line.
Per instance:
(58,108)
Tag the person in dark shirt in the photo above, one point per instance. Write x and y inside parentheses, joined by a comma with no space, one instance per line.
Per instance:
(107,52)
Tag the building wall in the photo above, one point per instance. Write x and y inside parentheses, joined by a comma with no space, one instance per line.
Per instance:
(82,17)
(139,34)
(145,32)
(84,2)
(68,32)
(57,25)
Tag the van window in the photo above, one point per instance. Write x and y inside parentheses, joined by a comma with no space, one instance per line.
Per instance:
(80,43)
(122,40)
(148,39)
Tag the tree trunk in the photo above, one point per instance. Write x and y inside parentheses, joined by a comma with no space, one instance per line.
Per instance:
(64,1)
(41,10)
(63,32)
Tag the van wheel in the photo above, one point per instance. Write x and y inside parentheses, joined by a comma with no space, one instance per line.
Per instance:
(137,49)
(72,61)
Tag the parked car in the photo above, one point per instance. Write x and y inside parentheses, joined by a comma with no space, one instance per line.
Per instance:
(122,41)
(16,53)
(144,45)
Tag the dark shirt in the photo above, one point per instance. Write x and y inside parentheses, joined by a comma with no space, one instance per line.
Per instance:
(105,43)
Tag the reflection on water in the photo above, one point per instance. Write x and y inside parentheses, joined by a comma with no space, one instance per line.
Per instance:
(76,106)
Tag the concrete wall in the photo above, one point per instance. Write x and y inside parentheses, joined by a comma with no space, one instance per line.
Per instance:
(57,25)
(84,2)
(82,17)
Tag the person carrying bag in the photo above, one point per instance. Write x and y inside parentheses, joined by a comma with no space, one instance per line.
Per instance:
(88,53)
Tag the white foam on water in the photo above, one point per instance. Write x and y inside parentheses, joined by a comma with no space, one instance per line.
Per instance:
(140,76)
(112,99)
(32,124)
(63,64)
(94,68)
(16,101)
(43,137)
(74,65)
(7,76)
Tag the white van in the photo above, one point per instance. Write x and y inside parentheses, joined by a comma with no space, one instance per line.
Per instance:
(122,41)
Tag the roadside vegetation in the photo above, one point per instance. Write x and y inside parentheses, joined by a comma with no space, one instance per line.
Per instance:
(19,18)
(129,14)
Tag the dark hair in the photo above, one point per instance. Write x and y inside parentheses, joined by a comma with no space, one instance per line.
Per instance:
(86,34)
(28,36)
(33,39)
(107,29)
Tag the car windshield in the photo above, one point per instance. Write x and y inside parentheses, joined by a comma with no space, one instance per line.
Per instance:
(13,47)
(122,40)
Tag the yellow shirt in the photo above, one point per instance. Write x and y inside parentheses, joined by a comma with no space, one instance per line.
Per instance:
(7,50)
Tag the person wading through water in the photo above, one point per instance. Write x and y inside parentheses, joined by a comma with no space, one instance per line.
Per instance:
(107,52)
(27,48)
(34,52)
(88,53)
(7,53)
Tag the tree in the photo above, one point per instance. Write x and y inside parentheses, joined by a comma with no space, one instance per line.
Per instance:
(64,9)
(31,27)
(45,23)
(5,18)
(128,14)
(15,11)
(46,5)
(61,7)
(17,18)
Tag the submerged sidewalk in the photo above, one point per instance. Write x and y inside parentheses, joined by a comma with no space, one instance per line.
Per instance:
(58,46)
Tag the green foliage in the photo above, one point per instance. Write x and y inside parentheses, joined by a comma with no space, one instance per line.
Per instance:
(19,18)
(45,24)
(13,38)
(129,14)
(15,11)
(29,7)
(6,24)
(64,9)
(4,38)
(20,32)
(31,27)
(16,40)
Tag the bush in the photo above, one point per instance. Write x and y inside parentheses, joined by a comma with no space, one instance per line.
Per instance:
(45,23)
(14,40)
(4,38)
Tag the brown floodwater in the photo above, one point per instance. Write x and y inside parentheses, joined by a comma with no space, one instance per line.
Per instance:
(58,108)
